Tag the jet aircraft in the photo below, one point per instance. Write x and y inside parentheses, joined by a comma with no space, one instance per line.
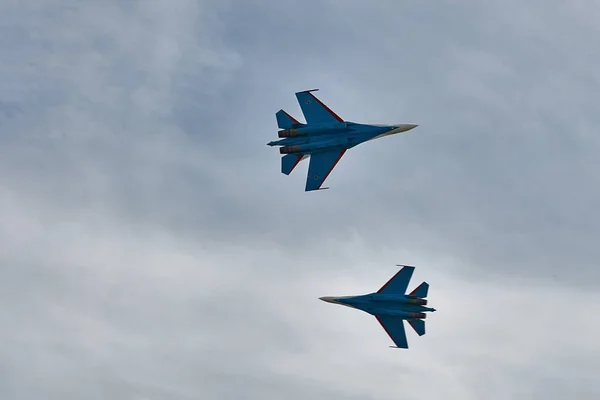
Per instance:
(325,137)
(391,306)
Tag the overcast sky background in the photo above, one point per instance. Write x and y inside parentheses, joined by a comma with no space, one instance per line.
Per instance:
(151,248)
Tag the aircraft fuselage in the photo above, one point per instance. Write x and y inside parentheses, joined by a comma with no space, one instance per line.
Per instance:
(308,139)
(379,304)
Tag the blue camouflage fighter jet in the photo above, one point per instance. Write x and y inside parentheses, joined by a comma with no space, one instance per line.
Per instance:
(324,138)
(391,306)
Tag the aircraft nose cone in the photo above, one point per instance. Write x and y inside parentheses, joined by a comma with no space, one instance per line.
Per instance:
(328,299)
(407,127)
(399,128)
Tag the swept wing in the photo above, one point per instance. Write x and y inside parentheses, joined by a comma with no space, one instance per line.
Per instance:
(321,165)
(315,112)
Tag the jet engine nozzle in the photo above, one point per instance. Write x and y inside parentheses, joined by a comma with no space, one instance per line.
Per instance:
(419,302)
(289,149)
(285,133)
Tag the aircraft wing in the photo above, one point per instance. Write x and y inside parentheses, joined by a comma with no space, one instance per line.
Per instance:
(395,329)
(315,112)
(321,165)
(399,282)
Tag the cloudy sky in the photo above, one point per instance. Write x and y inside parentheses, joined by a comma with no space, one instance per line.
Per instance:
(151,248)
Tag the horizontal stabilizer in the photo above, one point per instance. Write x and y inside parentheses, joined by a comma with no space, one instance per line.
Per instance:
(420,291)
(285,120)
(289,162)
(418,325)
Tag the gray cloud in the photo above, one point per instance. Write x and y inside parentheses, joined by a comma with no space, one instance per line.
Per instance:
(151,249)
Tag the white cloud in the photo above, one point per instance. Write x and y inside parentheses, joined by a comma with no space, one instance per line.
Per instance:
(152,249)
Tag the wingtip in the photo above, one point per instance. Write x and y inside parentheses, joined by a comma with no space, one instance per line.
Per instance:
(307,91)
(315,190)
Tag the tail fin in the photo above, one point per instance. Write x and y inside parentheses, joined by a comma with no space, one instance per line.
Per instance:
(289,162)
(420,291)
(418,325)
(285,120)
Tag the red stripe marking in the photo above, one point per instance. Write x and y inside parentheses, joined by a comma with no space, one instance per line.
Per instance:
(297,162)
(332,167)
(385,329)
(290,117)
(415,290)
(327,108)
(411,324)
(388,282)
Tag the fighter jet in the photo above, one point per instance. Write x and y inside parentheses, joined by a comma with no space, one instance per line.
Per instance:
(391,306)
(324,138)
